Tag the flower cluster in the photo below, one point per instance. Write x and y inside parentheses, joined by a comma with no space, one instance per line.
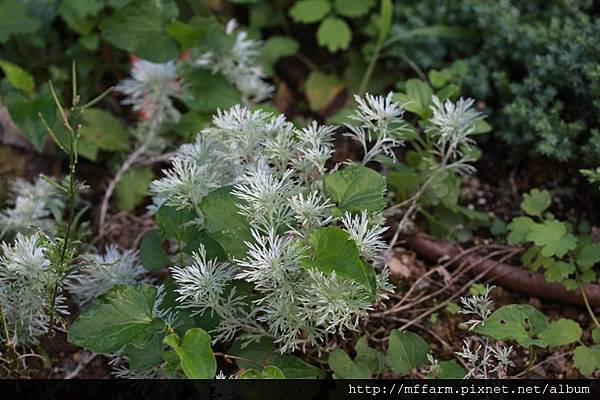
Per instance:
(26,282)
(99,273)
(278,173)
(35,205)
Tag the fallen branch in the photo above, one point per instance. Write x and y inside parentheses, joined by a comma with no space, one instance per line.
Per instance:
(515,278)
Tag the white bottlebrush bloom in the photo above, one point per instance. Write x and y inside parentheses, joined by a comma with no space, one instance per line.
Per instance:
(311,211)
(366,235)
(265,197)
(378,125)
(150,88)
(26,282)
(454,123)
(33,206)
(99,273)
(240,66)
(315,147)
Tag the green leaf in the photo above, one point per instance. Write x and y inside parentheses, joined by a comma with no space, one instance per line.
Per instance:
(561,332)
(519,322)
(152,256)
(195,354)
(202,82)
(322,89)
(596,335)
(224,223)
(353,8)
(264,353)
(449,369)
(174,223)
(589,255)
(140,28)
(553,237)
(276,48)
(104,130)
(406,351)
(356,188)
(385,19)
(309,11)
(368,357)
(133,187)
(250,374)
(18,77)
(14,19)
(121,317)
(587,359)
(271,372)
(335,251)
(344,368)
(334,34)
(519,228)
(557,271)
(144,357)
(417,98)
(536,202)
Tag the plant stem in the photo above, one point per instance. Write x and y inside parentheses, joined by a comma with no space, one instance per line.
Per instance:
(367,77)
(587,306)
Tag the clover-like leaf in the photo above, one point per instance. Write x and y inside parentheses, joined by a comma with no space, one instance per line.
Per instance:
(406,350)
(309,11)
(561,332)
(334,34)
(519,322)
(195,354)
(536,202)
(587,359)
(589,255)
(353,8)
(558,271)
(552,236)
(519,228)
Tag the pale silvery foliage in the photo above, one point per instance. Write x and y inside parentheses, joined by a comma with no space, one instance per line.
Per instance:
(32,207)
(99,273)
(483,359)
(240,66)
(378,125)
(26,282)
(277,171)
(453,127)
(150,89)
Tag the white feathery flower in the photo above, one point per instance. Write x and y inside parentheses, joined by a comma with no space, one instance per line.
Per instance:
(33,206)
(264,197)
(311,211)
(314,149)
(240,66)
(150,88)
(379,124)
(26,282)
(367,238)
(100,273)
(454,122)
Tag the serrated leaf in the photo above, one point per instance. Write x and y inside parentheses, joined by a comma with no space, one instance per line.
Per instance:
(519,322)
(152,256)
(121,317)
(558,271)
(309,11)
(224,223)
(561,332)
(133,187)
(353,8)
(334,34)
(335,251)
(587,359)
(140,28)
(195,354)
(536,202)
(17,76)
(104,130)
(356,188)
(552,236)
(406,351)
